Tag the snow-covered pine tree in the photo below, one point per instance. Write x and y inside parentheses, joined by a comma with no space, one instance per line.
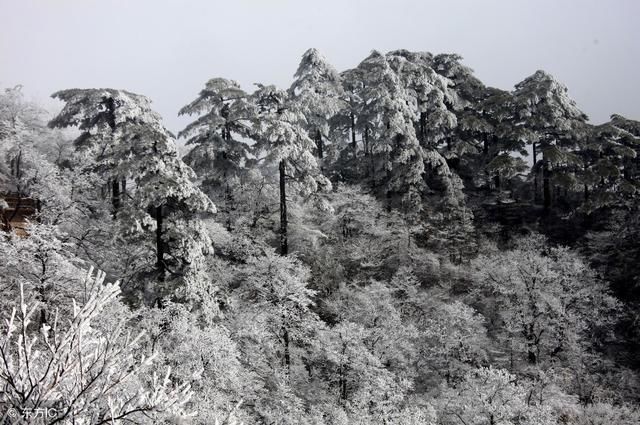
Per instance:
(20,121)
(219,152)
(165,192)
(435,97)
(610,170)
(317,91)
(505,146)
(281,140)
(124,140)
(486,143)
(346,122)
(396,152)
(631,138)
(431,101)
(543,106)
(103,116)
(31,156)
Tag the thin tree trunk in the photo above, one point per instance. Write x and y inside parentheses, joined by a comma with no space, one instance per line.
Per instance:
(319,144)
(18,162)
(546,183)
(535,174)
(423,128)
(115,195)
(284,248)
(227,200)
(227,204)
(287,354)
(586,187)
(354,144)
(532,350)
(368,153)
(342,383)
(159,244)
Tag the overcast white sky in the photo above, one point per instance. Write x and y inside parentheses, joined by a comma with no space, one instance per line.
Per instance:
(168,49)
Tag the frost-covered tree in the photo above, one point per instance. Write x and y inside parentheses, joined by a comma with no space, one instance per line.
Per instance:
(609,173)
(431,102)
(376,308)
(360,380)
(489,139)
(348,120)
(31,156)
(454,339)
(277,291)
(44,264)
(316,89)
(205,354)
(550,303)
(165,192)
(274,312)
(490,396)
(543,106)
(123,140)
(396,152)
(281,140)
(20,121)
(217,138)
(104,117)
(433,96)
(79,372)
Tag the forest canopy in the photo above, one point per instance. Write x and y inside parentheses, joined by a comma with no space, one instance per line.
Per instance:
(395,243)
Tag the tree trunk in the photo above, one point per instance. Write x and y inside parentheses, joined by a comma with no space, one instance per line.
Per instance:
(423,128)
(366,141)
(532,346)
(354,144)
(535,174)
(115,195)
(586,187)
(16,165)
(228,206)
(159,244)
(227,200)
(284,248)
(546,183)
(287,354)
(319,144)
(342,383)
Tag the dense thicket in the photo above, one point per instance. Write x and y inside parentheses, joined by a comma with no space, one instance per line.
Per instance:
(396,243)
